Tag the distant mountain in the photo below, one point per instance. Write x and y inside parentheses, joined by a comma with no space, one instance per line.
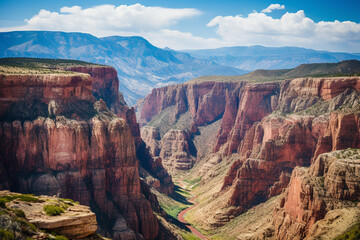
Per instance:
(259,57)
(140,65)
(344,68)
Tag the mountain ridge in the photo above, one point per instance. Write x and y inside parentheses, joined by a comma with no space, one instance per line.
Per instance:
(348,67)
(140,65)
(260,57)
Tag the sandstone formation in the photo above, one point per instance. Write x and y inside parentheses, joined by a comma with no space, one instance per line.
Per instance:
(105,86)
(330,185)
(71,145)
(77,221)
(269,128)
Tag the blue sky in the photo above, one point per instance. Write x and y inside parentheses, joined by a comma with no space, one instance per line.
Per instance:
(189,24)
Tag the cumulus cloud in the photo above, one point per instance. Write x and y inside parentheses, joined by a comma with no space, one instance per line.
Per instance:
(109,18)
(273,7)
(292,29)
(158,25)
(153,23)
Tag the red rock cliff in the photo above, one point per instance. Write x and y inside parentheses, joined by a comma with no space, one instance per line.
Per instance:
(82,151)
(272,147)
(270,127)
(331,183)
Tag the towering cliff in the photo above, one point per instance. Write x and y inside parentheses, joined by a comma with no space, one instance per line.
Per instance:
(320,202)
(266,130)
(58,139)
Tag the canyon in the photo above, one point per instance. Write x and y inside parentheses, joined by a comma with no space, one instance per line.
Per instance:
(246,139)
(68,132)
(250,158)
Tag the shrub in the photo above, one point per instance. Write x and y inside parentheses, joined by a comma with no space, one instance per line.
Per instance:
(19,213)
(26,224)
(21,197)
(6,235)
(2,203)
(53,210)
(61,238)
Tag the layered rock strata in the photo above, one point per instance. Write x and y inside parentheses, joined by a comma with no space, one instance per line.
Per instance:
(76,221)
(270,128)
(73,146)
(322,191)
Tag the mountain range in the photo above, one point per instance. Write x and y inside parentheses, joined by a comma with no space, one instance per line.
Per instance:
(142,66)
(260,57)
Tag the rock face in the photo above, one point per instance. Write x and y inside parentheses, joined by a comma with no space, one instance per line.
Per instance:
(185,106)
(175,151)
(331,183)
(76,222)
(73,146)
(270,128)
(106,86)
(271,148)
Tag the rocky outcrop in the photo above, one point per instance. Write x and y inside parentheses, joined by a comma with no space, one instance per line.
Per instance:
(159,177)
(343,131)
(331,183)
(19,91)
(106,86)
(76,221)
(275,146)
(247,105)
(205,101)
(74,147)
(175,149)
(151,137)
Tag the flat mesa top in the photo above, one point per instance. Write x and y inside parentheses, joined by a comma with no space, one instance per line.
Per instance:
(34,66)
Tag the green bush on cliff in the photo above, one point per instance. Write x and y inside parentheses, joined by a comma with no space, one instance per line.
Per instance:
(21,197)
(19,213)
(61,238)
(53,210)
(6,235)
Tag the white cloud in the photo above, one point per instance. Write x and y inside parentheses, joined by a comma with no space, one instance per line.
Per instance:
(101,19)
(125,20)
(158,25)
(273,7)
(292,29)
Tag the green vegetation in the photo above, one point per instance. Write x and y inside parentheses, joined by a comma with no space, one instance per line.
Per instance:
(53,210)
(60,237)
(21,197)
(193,181)
(27,224)
(172,210)
(69,202)
(6,235)
(348,153)
(188,236)
(351,234)
(19,213)
(39,65)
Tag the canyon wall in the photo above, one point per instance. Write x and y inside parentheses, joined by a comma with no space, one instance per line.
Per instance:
(321,198)
(268,128)
(58,139)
